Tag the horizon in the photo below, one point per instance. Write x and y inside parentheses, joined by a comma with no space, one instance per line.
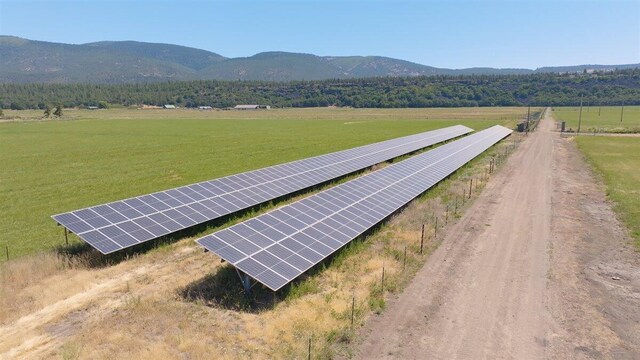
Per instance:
(354,28)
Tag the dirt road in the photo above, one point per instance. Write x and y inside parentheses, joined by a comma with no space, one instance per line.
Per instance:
(513,279)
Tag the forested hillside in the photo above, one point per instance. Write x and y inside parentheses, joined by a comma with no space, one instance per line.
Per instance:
(132,62)
(604,88)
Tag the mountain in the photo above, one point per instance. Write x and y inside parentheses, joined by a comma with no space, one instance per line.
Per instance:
(26,61)
(195,59)
(30,61)
(283,66)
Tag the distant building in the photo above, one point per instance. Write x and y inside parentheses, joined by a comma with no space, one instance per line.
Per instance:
(246,107)
(251,107)
(205,107)
(167,106)
(92,107)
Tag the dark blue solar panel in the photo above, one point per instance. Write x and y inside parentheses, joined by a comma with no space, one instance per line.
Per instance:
(304,233)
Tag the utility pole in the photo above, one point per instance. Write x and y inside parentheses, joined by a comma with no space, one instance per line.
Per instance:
(621,113)
(580,116)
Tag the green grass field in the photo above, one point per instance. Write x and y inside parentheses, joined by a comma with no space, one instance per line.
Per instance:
(617,159)
(94,157)
(601,119)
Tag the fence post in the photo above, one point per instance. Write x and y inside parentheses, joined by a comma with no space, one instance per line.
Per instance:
(353,308)
(309,357)
(404,261)
(382,282)
(470,186)
(422,239)
(456,208)
(446,216)
(435,229)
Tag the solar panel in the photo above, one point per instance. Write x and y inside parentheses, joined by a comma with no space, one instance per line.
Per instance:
(276,247)
(121,224)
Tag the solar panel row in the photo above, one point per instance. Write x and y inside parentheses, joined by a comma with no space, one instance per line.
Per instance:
(121,224)
(276,247)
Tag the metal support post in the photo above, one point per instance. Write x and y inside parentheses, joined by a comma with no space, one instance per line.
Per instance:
(246,281)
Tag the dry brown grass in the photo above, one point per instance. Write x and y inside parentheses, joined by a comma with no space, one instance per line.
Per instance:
(21,286)
(138,308)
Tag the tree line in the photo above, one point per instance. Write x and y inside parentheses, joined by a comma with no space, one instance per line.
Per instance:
(601,88)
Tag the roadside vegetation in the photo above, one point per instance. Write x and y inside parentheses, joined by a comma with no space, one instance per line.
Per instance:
(617,160)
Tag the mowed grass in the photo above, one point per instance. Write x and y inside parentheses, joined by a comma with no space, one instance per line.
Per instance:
(54,166)
(601,119)
(617,159)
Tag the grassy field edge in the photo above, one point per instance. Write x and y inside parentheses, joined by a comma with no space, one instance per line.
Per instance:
(617,162)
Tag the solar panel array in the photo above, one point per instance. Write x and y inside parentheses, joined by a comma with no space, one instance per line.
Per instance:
(121,224)
(276,247)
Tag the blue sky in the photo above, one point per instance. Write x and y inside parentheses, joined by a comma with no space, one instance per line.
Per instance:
(452,34)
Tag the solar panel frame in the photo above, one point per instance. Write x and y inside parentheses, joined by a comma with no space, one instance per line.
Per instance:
(193,204)
(389,189)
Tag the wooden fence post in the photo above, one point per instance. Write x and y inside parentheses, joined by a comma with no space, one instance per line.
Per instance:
(422,239)
(382,282)
(435,229)
(353,308)
(446,216)
(456,208)
(404,261)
